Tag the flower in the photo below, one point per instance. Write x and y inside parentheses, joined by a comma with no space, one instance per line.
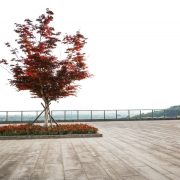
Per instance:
(26,129)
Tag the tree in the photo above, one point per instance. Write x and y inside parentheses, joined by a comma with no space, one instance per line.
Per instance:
(38,70)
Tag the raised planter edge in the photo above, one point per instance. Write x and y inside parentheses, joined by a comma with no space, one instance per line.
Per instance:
(50,136)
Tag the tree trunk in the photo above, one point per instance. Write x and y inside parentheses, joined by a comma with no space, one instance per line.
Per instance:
(46,115)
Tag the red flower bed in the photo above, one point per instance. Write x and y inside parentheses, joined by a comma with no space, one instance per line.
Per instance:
(26,129)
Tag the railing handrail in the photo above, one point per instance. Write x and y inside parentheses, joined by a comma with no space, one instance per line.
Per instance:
(85,110)
(96,114)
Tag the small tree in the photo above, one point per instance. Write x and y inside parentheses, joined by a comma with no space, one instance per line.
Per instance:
(41,72)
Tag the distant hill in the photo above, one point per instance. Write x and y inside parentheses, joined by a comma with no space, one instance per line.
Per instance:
(172,112)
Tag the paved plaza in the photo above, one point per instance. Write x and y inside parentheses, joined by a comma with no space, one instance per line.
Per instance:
(138,150)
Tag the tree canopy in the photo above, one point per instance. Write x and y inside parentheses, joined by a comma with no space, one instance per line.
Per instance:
(37,69)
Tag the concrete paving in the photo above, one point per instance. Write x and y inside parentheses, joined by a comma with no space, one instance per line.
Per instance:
(137,150)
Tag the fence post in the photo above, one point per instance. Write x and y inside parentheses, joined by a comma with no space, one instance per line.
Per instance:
(21,116)
(176,113)
(129,114)
(6,115)
(78,115)
(64,114)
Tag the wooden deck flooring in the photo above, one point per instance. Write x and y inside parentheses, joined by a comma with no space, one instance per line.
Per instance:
(138,150)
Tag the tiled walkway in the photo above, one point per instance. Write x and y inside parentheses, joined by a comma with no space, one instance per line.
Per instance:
(138,150)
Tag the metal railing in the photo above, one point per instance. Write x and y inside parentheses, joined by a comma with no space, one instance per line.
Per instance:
(91,115)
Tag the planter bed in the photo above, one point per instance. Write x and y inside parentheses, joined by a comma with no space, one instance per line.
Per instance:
(27,131)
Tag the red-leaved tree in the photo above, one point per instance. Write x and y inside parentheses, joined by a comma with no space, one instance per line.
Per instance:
(37,69)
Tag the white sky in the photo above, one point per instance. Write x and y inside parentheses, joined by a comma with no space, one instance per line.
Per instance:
(133,51)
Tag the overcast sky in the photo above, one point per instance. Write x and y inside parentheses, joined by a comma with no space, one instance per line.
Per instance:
(133,50)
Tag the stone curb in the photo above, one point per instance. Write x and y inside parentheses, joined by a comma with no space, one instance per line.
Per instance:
(50,136)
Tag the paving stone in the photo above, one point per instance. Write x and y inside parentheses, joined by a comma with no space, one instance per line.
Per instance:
(93,170)
(22,172)
(134,178)
(40,163)
(150,173)
(53,171)
(71,163)
(77,174)
(37,174)
(7,168)
(86,157)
